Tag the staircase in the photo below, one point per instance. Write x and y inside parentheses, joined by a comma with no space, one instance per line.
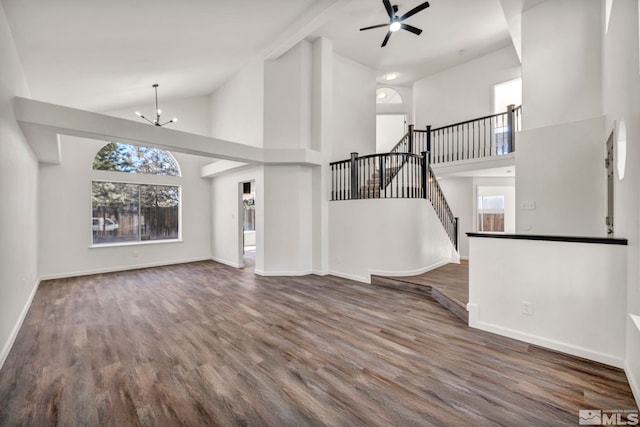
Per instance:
(405,172)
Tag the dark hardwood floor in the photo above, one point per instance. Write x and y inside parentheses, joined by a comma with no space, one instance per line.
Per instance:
(204,344)
(448,285)
(451,279)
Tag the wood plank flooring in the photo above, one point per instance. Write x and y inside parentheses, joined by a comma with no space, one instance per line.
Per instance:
(451,279)
(205,344)
(448,285)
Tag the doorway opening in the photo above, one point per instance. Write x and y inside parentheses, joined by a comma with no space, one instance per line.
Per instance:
(609,162)
(248,223)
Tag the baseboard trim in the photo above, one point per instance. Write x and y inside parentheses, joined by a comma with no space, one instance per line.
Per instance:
(227,262)
(635,387)
(283,273)
(573,350)
(320,272)
(351,277)
(416,272)
(632,376)
(465,258)
(123,268)
(14,332)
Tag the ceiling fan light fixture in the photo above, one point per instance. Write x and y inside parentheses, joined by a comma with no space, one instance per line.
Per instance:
(397,22)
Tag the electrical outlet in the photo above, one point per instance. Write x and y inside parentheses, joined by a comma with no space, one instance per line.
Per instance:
(527,308)
(528,205)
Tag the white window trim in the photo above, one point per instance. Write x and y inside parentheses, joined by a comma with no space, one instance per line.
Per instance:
(133,178)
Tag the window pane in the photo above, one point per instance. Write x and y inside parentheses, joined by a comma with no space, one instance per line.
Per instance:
(491,213)
(159,210)
(115,212)
(387,95)
(119,157)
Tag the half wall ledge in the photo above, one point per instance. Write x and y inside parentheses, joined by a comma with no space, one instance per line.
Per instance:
(553,238)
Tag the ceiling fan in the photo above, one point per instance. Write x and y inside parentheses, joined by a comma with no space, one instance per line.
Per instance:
(395,21)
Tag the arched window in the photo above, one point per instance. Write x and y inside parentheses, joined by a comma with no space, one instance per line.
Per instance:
(387,95)
(116,156)
(129,212)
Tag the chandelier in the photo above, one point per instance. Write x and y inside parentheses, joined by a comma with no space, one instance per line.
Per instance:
(158,112)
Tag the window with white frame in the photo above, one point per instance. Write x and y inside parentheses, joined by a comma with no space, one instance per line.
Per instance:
(505,94)
(491,213)
(126,211)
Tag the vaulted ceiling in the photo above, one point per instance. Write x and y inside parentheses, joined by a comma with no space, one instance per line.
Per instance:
(105,55)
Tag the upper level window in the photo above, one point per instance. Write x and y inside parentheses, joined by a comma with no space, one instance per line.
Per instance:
(387,95)
(133,212)
(507,93)
(119,157)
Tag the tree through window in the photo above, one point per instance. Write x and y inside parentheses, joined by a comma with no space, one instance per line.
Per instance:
(132,212)
(119,157)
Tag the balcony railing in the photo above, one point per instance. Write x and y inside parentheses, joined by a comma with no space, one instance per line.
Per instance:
(405,172)
(390,176)
(482,137)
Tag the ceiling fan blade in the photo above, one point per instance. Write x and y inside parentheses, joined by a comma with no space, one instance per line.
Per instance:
(387,5)
(415,10)
(414,30)
(386,39)
(374,26)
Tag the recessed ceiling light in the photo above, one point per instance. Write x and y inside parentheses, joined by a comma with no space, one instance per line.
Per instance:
(390,76)
(382,94)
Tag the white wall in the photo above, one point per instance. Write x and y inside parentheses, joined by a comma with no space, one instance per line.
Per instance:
(226,219)
(321,139)
(561,169)
(287,99)
(459,193)
(19,206)
(283,219)
(390,128)
(65,211)
(194,114)
(621,100)
(237,108)
(561,62)
(463,92)
(576,291)
(386,237)
(354,109)
(287,221)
